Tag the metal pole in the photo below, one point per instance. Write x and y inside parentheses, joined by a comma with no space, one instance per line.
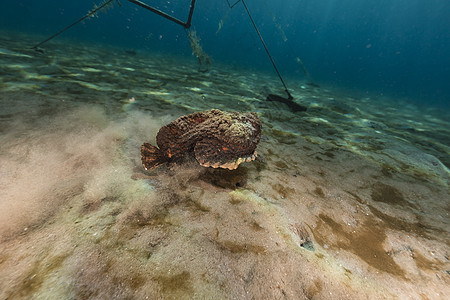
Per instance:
(267,51)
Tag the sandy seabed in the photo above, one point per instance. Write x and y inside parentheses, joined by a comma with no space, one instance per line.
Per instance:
(349,200)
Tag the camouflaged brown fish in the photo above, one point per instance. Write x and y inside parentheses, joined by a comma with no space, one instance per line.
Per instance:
(215,138)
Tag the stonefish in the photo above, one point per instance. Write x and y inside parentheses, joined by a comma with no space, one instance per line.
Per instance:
(215,138)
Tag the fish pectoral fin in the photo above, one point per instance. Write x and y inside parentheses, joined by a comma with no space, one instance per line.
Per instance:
(214,153)
(151,156)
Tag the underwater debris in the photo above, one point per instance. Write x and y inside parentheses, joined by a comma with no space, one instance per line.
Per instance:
(204,61)
(102,7)
(222,21)
(278,26)
(304,237)
(217,139)
(293,106)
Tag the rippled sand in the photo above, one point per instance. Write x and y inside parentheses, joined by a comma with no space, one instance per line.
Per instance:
(349,200)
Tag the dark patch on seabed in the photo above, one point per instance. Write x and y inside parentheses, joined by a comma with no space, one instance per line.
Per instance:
(348,200)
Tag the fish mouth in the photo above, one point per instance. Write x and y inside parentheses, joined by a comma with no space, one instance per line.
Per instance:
(230,165)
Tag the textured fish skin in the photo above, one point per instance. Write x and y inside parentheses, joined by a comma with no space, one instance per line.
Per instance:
(215,138)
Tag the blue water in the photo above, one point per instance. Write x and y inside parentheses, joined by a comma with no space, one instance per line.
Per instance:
(397,48)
